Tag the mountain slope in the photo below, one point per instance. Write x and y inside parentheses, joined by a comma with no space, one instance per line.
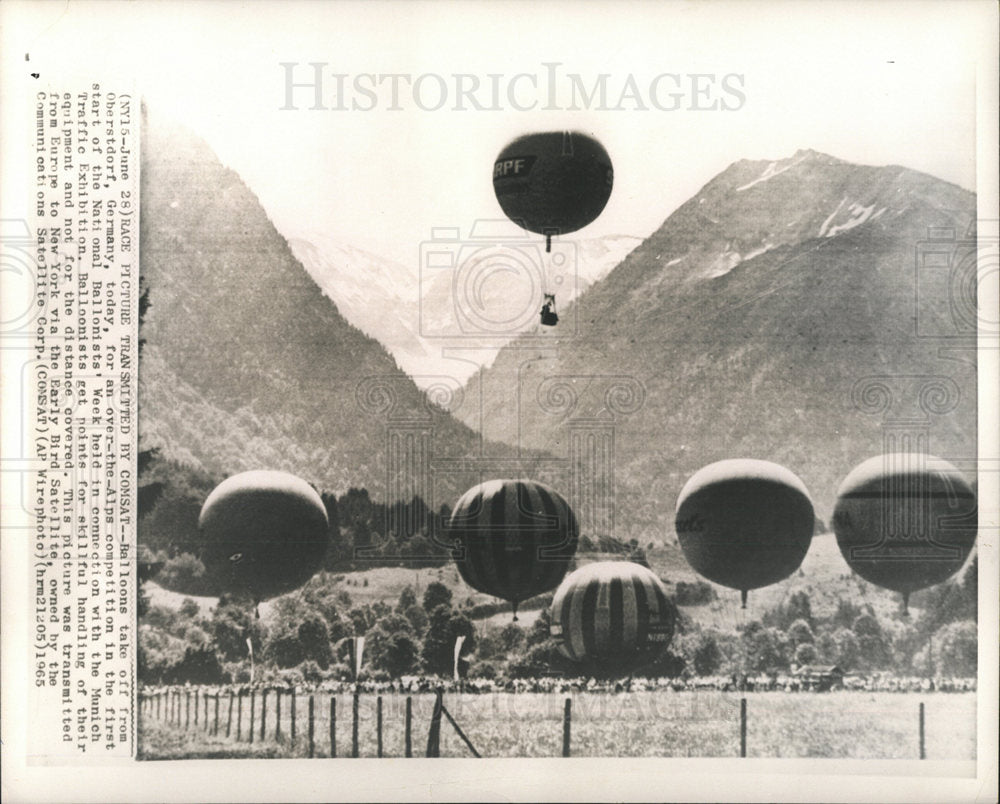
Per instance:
(247,364)
(753,323)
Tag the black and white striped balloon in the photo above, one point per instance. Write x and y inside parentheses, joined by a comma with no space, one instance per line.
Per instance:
(513,538)
(615,611)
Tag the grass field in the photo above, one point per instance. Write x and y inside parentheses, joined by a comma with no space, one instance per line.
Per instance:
(856,725)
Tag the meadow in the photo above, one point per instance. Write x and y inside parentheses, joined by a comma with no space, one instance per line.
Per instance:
(840,724)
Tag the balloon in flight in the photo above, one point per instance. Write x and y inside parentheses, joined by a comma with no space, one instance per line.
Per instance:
(513,538)
(905,521)
(553,182)
(264,533)
(744,523)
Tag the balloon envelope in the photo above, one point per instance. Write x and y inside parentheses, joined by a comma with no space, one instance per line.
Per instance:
(553,182)
(744,523)
(905,521)
(612,611)
(264,533)
(514,538)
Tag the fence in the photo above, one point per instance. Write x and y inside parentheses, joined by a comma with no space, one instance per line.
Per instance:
(693,724)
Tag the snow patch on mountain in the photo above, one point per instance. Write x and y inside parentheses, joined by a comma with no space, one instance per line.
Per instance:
(770,172)
(859,215)
(730,258)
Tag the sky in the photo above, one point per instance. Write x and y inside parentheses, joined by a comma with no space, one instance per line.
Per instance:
(883,83)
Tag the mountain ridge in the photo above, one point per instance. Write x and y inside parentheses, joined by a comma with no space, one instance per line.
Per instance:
(748,318)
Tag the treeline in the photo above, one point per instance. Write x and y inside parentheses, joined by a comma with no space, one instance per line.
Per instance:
(308,640)
(942,640)
(363,533)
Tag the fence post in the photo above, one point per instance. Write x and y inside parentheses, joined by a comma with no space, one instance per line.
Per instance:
(197,701)
(354,725)
(923,754)
(293,714)
(239,714)
(215,728)
(409,725)
(567,716)
(743,727)
(311,743)
(277,715)
(434,735)
(187,708)
(333,726)
(229,720)
(157,706)
(204,697)
(253,695)
(263,714)
(378,723)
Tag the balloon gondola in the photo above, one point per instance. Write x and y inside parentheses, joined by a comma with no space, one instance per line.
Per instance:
(744,523)
(905,521)
(264,533)
(552,183)
(513,539)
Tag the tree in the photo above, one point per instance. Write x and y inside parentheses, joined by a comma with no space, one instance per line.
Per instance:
(957,646)
(847,612)
(707,656)
(806,653)
(540,628)
(873,647)
(444,628)
(766,649)
(436,594)
(799,608)
(399,655)
(314,637)
(512,638)
(232,623)
(199,666)
(189,610)
(826,648)
(847,648)
(799,632)
(184,573)
(417,618)
(407,598)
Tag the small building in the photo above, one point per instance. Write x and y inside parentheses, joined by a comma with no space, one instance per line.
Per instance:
(820,677)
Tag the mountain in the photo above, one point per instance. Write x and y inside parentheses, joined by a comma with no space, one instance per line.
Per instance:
(411,309)
(807,311)
(247,364)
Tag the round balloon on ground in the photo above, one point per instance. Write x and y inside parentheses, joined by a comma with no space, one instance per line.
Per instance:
(553,182)
(744,523)
(905,521)
(514,538)
(612,612)
(264,533)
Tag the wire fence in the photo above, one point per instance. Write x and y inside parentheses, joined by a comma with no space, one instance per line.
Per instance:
(313,723)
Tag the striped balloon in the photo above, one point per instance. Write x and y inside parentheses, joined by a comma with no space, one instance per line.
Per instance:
(612,610)
(514,538)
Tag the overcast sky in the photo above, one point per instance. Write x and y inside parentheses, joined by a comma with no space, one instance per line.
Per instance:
(874,83)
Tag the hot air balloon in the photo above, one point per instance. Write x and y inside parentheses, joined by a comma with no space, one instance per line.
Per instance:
(744,523)
(553,182)
(264,533)
(612,612)
(513,538)
(905,521)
